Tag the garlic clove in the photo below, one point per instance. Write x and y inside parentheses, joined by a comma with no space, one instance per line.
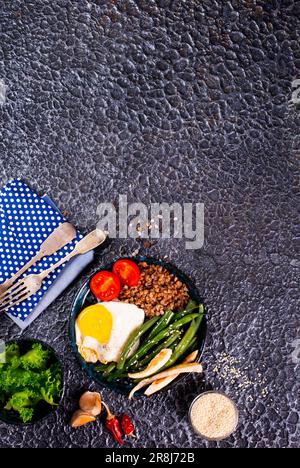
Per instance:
(80,418)
(90,402)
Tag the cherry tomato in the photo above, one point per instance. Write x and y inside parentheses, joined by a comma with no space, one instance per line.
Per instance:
(128,272)
(105,286)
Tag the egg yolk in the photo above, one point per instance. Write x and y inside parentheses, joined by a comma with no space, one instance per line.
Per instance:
(96,321)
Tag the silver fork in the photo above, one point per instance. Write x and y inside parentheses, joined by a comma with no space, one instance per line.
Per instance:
(60,237)
(30,285)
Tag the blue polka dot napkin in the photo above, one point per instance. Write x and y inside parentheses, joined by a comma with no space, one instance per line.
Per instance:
(26,221)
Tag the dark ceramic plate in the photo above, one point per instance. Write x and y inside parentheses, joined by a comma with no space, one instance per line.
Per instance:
(84,298)
(42,410)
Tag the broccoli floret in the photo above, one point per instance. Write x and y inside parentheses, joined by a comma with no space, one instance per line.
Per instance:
(36,358)
(52,385)
(21,402)
(26,414)
(12,352)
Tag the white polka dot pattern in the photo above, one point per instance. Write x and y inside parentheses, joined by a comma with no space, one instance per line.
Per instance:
(26,220)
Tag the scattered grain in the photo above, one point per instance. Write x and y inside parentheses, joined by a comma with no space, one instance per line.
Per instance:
(233,371)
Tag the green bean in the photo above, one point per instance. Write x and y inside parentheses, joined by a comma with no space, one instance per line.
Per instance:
(112,377)
(133,339)
(191,306)
(100,367)
(161,324)
(193,347)
(116,374)
(109,369)
(174,346)
(166,344)
(189,336)
(185,342)
(183,321)
(180,315)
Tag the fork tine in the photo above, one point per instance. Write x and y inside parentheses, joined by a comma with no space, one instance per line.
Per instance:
(11,290)
(15,300)
(6,307)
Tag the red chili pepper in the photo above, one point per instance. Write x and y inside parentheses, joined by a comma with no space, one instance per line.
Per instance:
(127,425)
(113,426)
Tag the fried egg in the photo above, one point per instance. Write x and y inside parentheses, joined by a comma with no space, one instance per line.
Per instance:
(102,330)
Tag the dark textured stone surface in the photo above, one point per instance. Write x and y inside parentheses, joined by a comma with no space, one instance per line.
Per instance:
(169,100)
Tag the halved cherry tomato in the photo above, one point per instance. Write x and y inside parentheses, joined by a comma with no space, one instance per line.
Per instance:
(105,286)
(128,272)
